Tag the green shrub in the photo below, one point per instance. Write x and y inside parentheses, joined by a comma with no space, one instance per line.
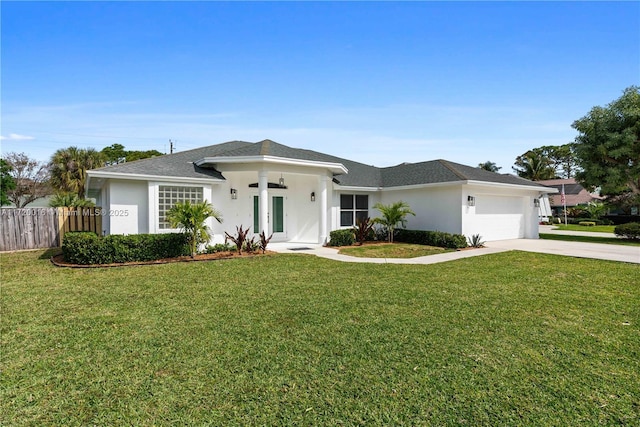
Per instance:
(431,238)
(343,237)
(219,247)
(630,230)
(87,248)
(587,223)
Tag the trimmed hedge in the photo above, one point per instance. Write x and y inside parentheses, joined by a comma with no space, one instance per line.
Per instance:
(344,237)
(431,238)
(630,230)
(87,248)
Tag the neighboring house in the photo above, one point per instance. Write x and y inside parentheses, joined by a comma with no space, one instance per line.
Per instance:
(301,195)
(574,193)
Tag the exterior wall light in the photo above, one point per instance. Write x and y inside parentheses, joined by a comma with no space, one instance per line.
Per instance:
(281,181)
(234,194)
(471,201)
(313,196)
(536,203)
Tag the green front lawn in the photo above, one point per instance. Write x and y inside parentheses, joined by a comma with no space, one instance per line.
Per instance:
(590,239)
(505,339)
(391,250)
(576,227)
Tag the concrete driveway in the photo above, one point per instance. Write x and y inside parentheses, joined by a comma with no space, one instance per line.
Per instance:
(621,253)
(574,249)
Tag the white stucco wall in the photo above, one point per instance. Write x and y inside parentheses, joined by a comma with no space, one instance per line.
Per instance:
(437,208)
(301,215)
(127,207)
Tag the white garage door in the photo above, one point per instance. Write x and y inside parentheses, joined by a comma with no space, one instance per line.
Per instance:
(500,217)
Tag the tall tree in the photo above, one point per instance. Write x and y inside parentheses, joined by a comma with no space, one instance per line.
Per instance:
(489,166)
(139,155)
(534,166)
(392,215)
(7,183)
(608,146)
(114,154)
(31,179)
(69,169)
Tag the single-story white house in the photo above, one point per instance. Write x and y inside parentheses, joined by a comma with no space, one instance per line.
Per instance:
(302,195)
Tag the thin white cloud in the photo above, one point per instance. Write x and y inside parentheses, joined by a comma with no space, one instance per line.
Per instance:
(16,137)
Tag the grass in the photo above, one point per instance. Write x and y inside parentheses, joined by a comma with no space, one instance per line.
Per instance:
(594,229)
(391,250)
(590,239)
(505,339)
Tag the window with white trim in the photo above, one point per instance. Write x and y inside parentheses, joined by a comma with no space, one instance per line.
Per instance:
(352,208)
(169,195)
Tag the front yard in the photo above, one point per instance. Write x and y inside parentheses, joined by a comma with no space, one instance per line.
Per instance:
(506,339)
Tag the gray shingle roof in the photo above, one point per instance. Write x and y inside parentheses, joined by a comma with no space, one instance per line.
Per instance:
(360,175)
(440,171)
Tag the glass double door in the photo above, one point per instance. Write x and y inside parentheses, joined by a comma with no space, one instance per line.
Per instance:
(275,217)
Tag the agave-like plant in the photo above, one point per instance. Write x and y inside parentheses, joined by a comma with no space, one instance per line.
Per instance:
(191,219)
(264,241)
(239,239)
(362,229)
(475,241)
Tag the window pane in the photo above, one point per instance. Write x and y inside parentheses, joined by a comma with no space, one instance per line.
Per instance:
(362,202)
(278,214)
(168,196)
(256,215)
(346,201)
(346,218)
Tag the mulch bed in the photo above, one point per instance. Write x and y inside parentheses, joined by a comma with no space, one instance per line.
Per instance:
(58,260)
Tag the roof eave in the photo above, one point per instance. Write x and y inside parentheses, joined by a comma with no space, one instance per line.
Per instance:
(145,177)
(540,188)
(336,168)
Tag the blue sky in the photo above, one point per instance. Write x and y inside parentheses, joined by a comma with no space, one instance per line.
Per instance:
(380,82)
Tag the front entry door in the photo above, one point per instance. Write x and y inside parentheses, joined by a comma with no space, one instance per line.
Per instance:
(276,219)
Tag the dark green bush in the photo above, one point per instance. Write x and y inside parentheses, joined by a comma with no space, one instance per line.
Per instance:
(219,247)
(431,238)
(87,248)
(342,237)
(630,230)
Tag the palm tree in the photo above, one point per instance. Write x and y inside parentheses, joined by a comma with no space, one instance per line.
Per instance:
(489,166)
(534,166)
(392,215)
(191,219)
(69,200)
(69,168)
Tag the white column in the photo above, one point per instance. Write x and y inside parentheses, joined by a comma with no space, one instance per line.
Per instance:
(323,209)
(263,201)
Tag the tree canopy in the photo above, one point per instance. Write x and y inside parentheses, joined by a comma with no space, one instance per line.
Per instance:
(608,146)
(534,165)
(115,154)
(7,183)
(69,169)
(31,179)
(489,166)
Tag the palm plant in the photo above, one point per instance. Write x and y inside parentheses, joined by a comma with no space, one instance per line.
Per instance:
(191,219)
(69,168)
(534,166)
(392,215)
(69,200)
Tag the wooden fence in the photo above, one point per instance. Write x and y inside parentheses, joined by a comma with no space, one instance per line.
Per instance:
(33,228)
